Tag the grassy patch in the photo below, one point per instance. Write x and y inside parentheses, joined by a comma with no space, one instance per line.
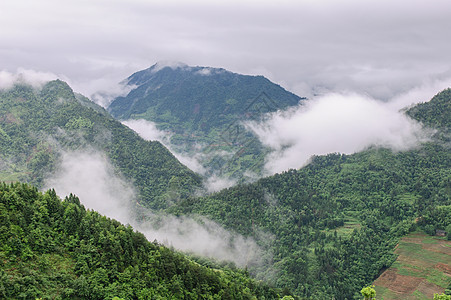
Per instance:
(429,241)
(419,295)
(350,224)
(411,270)
(385,293)
(439,278)
(11,177)
(409,198)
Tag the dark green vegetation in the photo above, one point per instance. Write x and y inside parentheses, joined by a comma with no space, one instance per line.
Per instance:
(55,249)
(204,106)
(37,125)
(434,113)
(336,221)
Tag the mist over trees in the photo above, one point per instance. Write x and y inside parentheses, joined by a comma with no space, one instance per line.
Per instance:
(326,230)
(59,250)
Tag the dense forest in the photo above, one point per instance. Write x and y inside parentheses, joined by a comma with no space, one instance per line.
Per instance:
(327,229)
(53,249)
(336,221)
(36,126)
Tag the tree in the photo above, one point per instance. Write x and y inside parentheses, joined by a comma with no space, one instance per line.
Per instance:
(442,297)
(369,293)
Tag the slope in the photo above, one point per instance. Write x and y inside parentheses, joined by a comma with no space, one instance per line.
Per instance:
(53,249)
(201,106)
(377,193)
(37,126)
(435,112)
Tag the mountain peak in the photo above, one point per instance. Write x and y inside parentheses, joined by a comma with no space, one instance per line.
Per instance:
(179,90)
(165,68)
(174,65)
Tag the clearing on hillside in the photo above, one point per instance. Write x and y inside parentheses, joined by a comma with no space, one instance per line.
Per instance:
(423,268)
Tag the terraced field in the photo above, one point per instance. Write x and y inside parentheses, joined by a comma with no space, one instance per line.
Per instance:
(423,267)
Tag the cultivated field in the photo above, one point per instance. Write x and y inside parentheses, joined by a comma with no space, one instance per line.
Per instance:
(423,268)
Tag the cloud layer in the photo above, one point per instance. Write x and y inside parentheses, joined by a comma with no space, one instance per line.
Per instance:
(31,77)
(344,123)
(379,47)
(149,131)
(90,176)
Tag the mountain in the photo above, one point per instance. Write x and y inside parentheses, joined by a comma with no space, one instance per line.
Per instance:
(203,106)
(53,249)
(37,126)
(190,100)
(328,229)
(334,224)
(434,113)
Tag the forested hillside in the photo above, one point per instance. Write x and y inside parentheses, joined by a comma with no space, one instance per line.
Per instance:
(202,108)
(330,227)
(336,221)
(434,112)
(196,99)
(53,249)
(37,125)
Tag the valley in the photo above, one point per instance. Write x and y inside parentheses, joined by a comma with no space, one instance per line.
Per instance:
(324,230)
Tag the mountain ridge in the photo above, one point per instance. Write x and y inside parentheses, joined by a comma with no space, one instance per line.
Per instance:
(203,107)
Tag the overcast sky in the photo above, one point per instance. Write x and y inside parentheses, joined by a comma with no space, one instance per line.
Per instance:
(379,48)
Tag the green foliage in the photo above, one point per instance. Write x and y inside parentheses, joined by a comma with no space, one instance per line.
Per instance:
(442,297)
(368,293)
(436,217)
(435,112)
(36,125)
(55,249)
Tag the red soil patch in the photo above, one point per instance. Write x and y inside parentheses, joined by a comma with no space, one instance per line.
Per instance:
(413,240)
(438,248)
(398,283)
(429,289)
(444,268)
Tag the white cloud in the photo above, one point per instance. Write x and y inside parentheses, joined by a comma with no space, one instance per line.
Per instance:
(382,47)
(149,131)
(344,123)
(216,183)
(421,93)
(168,64)
(31,77)
(203,237)
(204,71)
(90,176)
(213,183)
